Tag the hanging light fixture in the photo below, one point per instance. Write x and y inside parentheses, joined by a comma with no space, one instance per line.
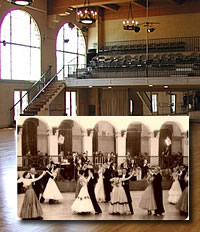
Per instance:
(86,15)
(21,2)
(130,24)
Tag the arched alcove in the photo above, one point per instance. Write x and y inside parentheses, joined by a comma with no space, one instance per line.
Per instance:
(71,132)
(137,140)
(104,137)
(170,145)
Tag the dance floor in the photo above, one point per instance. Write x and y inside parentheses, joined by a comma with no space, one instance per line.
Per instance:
(62,210)
(8,201)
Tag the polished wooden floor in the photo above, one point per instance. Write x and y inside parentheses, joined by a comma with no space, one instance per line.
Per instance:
(8,200)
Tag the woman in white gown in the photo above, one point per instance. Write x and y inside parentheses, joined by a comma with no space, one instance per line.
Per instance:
(83,203)
(175,190)
(99,189)
(51,191)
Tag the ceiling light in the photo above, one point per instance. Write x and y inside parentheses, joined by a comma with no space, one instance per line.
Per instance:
(150,85)
(90,86)
(130,24)
(166,86)
(152,29)
(86,14)
(21,2)
(109,87)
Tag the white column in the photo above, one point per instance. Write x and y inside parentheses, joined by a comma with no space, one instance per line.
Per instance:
(185,148)
(121,146)
(87,142)
(53,144)
(154,147)
(19,148)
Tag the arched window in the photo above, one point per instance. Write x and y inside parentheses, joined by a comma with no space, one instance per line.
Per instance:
(70,50)
(20,47)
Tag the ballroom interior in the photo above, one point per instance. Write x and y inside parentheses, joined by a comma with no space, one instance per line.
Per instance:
(63,66)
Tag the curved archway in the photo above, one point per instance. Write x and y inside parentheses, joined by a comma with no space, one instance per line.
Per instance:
(104,142)
(137,139)
(34,143)
(70,49)
(22,51)
(70,137)
(170,145)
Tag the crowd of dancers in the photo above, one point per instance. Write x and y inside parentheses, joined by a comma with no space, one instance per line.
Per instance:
(108,186)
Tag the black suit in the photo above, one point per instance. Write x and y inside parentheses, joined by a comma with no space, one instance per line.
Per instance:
(157,186)
(125,185)
(36,185)
(91,185)
(107,184)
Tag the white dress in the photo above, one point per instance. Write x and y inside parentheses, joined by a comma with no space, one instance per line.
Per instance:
(83,203)
(99,188)
(175,190)
(51,191)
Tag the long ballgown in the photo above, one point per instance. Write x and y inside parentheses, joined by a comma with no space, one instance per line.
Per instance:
(99,189)
(51,191)
(175,190)
(31,207)
(182,204)
(148,200)
(83,203)
(118,202)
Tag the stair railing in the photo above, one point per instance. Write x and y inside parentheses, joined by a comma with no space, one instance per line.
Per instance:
(41,81)
(146,99)
(42,90)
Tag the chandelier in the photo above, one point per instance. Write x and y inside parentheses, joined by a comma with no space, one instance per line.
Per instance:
(21,2)
(86,15)
(130,24)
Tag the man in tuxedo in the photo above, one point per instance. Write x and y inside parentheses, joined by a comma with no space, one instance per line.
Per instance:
(125,185)
(157,186)
(107,184)
(91,186)
(44,181)
(36,185)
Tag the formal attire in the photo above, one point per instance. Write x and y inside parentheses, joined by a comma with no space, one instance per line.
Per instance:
(147,200)
(83,203)
(175,190)
(182,204)
(51,191)
(157,187)
(31,208)
(78,187)
(36,185)
(91,186)
(125,185)
(119,201)
(182,180)
(107,184)
(99,188)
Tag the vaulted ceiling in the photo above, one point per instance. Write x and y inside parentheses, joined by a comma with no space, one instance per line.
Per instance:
(113,9)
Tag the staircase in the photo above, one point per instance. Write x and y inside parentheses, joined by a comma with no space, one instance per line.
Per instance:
(146,101)
(41,102)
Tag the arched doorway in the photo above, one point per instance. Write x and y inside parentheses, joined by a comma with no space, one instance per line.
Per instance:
(70,137)
(170,145)
(103,142)
(29,136)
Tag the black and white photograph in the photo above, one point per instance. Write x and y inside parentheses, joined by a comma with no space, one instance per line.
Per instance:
(102,168)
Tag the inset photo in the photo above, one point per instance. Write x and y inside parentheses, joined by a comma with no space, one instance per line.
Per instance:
(103,168)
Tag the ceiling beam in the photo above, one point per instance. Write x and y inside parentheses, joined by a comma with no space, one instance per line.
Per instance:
(112,7)
(140,3)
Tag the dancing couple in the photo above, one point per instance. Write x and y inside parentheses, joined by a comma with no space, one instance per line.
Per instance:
(152,198)
(85,201)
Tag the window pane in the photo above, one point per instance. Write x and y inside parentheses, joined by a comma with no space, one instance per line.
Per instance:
(154,103)
(73,103)
(173,103)
(17,107)
(20,60)
(68,103)
(24,100)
